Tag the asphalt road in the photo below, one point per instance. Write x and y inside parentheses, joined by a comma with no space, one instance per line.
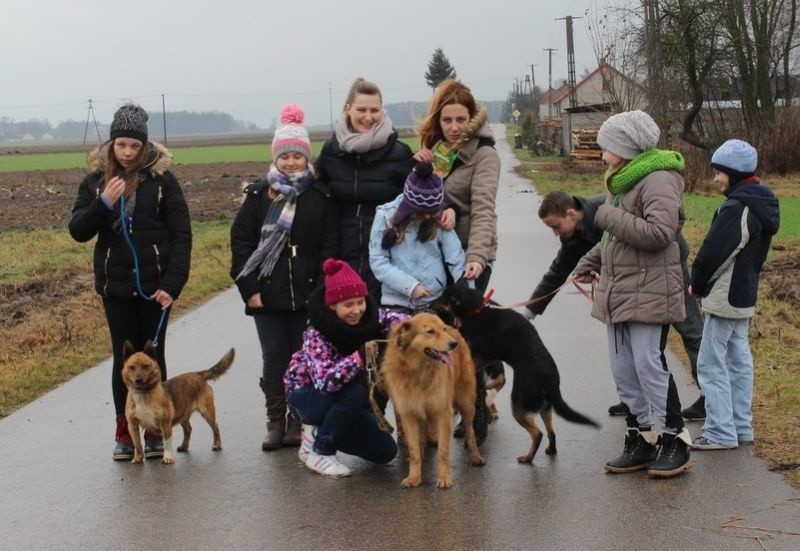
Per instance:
(59,488)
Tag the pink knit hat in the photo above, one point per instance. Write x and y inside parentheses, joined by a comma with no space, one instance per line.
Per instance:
(291,135)
(341,282)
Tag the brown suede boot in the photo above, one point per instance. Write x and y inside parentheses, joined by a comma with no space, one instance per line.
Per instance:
(292,437)
(276,414)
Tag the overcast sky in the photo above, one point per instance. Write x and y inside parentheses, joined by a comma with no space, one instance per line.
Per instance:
(249,57)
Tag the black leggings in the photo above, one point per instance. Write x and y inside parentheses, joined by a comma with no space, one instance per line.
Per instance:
(135,320)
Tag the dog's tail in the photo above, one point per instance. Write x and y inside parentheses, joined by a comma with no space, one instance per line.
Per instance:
(563,409)
(220,367)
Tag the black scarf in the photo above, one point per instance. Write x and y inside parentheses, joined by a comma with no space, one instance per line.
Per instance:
(345,338)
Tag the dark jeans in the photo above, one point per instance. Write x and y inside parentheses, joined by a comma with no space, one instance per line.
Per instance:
(690,329)
(345,422)
(280,335)
(135,320)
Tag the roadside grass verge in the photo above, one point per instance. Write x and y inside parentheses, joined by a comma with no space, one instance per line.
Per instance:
(774,331)
(49,347)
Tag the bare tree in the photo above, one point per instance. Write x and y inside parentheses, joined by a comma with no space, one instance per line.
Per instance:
(617,39)
(691,42)
(760,30)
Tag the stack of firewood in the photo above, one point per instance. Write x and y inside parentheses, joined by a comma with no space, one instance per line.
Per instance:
(584,144)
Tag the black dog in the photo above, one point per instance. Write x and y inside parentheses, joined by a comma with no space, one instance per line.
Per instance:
(501,334)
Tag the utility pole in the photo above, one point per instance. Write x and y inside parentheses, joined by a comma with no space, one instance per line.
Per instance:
(330,103)
(90,114)
(656,98)
(550,81)
(573,94)
(164,117)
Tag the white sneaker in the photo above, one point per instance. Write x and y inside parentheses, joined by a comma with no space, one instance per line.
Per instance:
(326,465)
(307,437)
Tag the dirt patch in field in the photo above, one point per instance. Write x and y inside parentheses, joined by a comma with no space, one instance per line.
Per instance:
(43,199)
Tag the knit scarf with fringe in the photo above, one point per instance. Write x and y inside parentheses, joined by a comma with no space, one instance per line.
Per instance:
(620,181)
(277,224)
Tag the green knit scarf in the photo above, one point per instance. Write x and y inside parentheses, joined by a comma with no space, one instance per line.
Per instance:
(620,181)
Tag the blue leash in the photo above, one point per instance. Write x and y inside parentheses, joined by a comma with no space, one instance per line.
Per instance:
(142,294)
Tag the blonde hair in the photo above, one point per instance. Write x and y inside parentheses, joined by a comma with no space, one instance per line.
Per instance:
(361,86)
(449,92)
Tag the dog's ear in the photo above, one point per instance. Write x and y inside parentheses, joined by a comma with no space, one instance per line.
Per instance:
(150,349)
(127,350)
(403,334)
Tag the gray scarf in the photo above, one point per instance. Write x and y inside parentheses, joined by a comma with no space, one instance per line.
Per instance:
(351,142)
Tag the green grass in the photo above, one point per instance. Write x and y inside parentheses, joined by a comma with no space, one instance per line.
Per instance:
(46,251)
(49,347)
(183,155)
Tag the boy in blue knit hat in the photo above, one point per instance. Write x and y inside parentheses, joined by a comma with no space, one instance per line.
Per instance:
(725,276)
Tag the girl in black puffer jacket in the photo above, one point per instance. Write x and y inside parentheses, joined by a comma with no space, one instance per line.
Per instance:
(286,226)
(129,175)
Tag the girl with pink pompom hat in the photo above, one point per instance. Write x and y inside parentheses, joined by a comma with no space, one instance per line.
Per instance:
(287,225)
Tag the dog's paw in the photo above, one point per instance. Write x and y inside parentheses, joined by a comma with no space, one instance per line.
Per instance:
(444,481)
(477,461)
(137,459)
(410,482)
(527,458)
(217,447)
(183,449)
(167,460)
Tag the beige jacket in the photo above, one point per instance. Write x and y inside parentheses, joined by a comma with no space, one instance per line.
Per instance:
(640,266)
(472,187)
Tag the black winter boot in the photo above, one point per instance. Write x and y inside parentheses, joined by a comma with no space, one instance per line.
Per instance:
(639,452)
(697,411)
(276,414)
(673,459)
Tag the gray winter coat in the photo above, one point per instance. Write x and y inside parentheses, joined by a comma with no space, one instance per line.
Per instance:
(640,265)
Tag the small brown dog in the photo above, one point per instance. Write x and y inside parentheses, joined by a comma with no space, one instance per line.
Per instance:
(428,369)
(158,406)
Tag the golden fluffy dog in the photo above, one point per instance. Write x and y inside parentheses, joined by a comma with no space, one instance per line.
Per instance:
(158,406)
(428,369)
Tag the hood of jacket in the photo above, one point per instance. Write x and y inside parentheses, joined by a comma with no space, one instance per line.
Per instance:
(761,201)
(158,160)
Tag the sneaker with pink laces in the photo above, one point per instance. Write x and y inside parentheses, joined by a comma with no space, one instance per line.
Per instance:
(307,435)
(326,465)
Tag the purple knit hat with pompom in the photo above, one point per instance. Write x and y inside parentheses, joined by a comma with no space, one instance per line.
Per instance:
(423,193)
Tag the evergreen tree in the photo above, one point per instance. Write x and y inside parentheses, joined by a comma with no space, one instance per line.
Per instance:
(439,69)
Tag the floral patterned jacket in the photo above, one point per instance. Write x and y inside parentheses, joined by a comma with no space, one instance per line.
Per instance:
(321,365)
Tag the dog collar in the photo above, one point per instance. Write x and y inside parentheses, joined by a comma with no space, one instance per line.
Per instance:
(484,303)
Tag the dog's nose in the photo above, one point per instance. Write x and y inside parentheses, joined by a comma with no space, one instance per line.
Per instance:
(139,380)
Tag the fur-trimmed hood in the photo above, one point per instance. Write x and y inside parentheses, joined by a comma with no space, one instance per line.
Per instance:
(158,161)
(478,128)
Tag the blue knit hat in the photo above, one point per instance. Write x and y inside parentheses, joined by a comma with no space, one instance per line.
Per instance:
(736,158)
